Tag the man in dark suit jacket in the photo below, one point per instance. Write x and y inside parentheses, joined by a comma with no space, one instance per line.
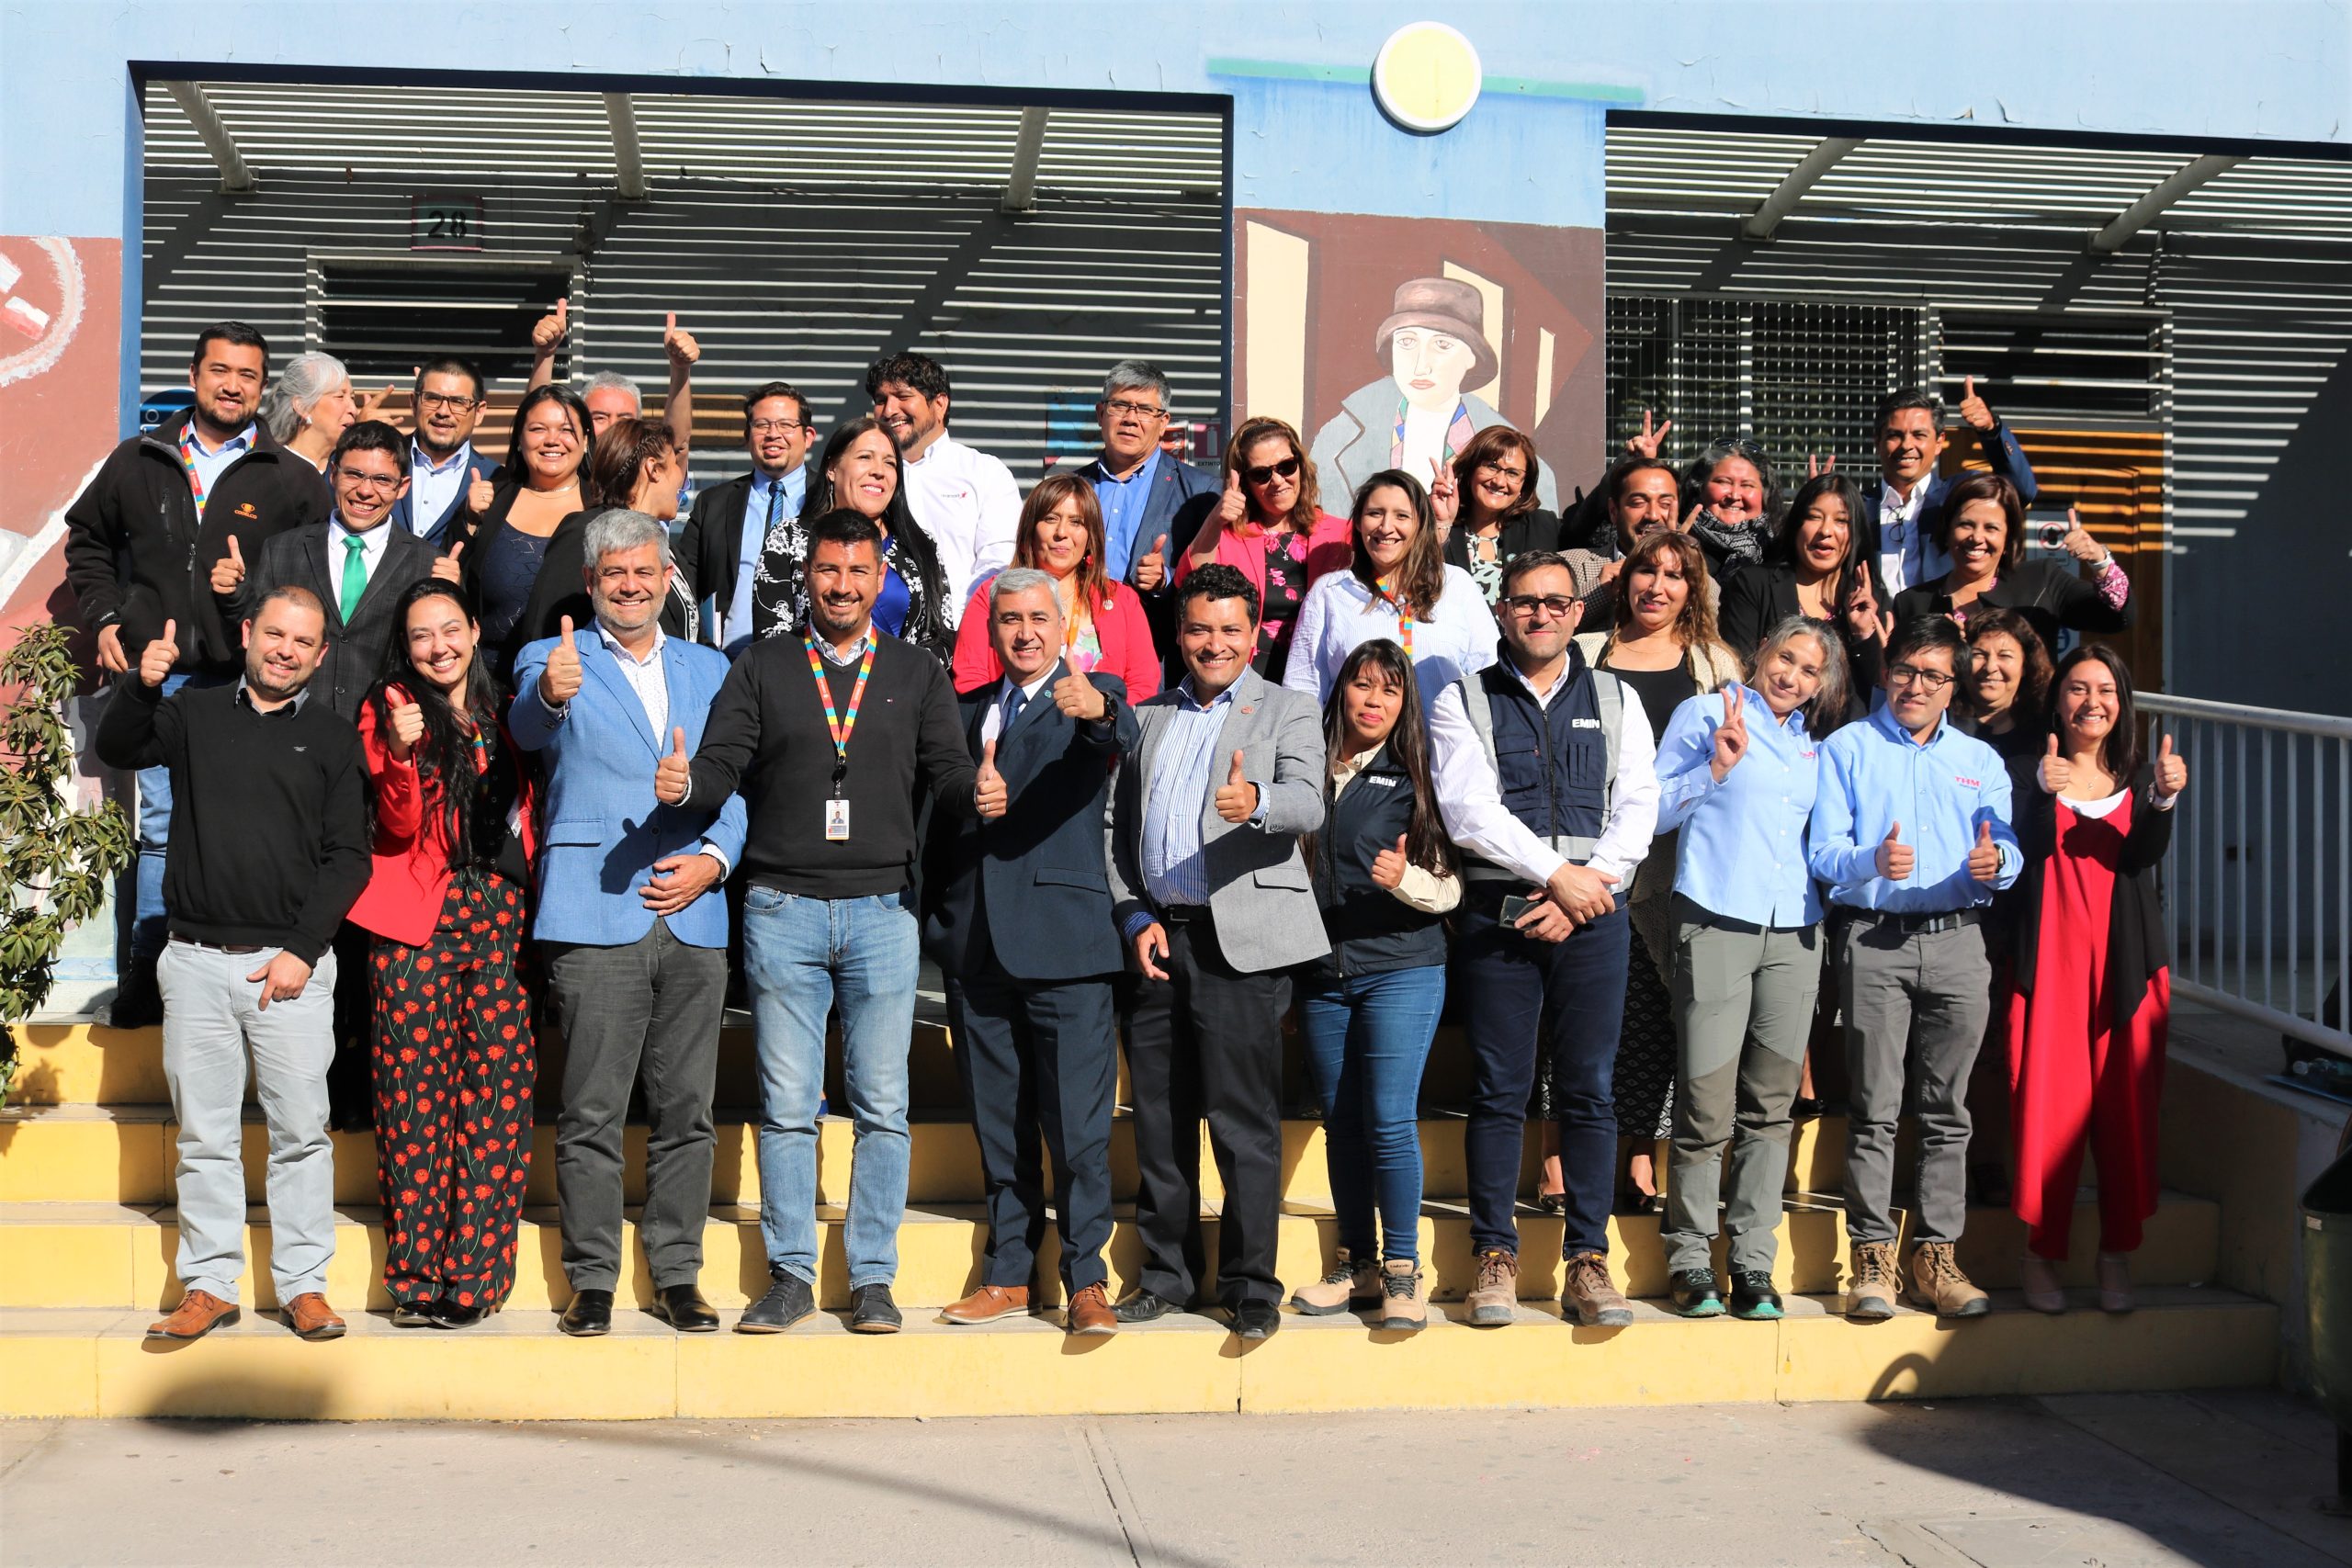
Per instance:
(1901,506)
(720,547)
(1152,502)
(1017,915)
(443,468)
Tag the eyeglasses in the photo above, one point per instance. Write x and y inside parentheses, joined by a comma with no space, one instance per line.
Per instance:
(1531,605)
(1500,472)
(778,426)
(1265,471)
(449,400)
(372,482)
(1134,410)
(1929,680)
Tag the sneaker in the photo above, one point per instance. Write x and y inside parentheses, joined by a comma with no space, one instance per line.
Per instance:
(1939,1286)
(1403,1307)
(1695,1293)
(1494,1300)
(2115,1282)
(788,1301)
(1593,1294)
(1870,1292)
(871,1311)
(1350,1281)
(2037,1279)
(1753,1298)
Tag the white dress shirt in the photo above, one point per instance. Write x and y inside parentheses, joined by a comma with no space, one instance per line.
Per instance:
(372,544)
(1339,613)
(1907,554)
(992,722)
(433,487)
(651,682)
(1470,795)
(968,504)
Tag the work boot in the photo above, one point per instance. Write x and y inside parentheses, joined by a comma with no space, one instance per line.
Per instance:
(1593,1296)
(1494,1300)
(1939,1286)
(1695,1293)
(1350,1281)
(138,1000)
(1403,1305)
(1870,1292)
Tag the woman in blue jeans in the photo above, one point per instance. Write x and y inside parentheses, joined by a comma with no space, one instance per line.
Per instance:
(1383,878)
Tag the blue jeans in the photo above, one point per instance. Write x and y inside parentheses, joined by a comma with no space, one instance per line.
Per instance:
(147,925)
(803,957)
(1367,1039)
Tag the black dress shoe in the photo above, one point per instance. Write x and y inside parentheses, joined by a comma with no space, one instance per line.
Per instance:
(788,1301)
(1695,1293)
(1257,1319)
(1753,1297)
(1144,1307)
(871,1311)
(449,1312)
(590,1314)
(682,1308)
(406,1314)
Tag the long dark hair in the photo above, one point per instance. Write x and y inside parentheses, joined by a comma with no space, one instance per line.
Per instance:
(446,750)
(1420,576)
(1425,844)
(1842,489)
(2120,752)
(898,517)
(518,467)
(1498,441)
(1093,582)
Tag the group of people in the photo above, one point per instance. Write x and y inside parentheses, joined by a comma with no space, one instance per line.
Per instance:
(434,752)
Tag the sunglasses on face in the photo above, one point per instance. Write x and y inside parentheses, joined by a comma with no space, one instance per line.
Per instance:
(1265,471)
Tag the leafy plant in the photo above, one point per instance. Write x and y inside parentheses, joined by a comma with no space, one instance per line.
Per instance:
(57,860)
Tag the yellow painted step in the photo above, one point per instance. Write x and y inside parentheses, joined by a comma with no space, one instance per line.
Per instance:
(94,1363)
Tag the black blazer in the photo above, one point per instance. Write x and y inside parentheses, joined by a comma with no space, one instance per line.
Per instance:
(2049,594)
(1757,598)
(355,653)
(2136,948)
(1532,530)
(711,548)
(1030,889)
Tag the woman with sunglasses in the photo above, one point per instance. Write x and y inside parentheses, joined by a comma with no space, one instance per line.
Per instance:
(1816,569)
(1268,527)
(1061,536)
(1397,586)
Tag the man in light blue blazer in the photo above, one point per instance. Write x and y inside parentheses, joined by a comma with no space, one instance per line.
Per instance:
(631,921)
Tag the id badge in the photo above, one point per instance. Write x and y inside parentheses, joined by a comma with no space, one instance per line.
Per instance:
(836,821)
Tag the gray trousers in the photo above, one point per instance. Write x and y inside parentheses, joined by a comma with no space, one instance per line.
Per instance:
(1743,1005)
(213,1015)
(1915,1008)
(655,1006)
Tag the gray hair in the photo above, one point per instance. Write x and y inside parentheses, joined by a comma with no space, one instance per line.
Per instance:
(306,379)
(1138,375)
(613,380)
(621,529)
(1829,702)
(1020,579)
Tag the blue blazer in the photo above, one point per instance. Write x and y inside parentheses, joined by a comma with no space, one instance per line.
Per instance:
(602,830)
(1031,888)
(455,525)
(2000,450)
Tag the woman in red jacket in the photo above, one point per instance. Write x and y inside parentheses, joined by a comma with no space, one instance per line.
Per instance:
(1061,536)
(454,1060)
(1271,527)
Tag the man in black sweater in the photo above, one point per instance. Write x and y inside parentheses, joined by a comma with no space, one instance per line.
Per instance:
(809,727)
(268,851)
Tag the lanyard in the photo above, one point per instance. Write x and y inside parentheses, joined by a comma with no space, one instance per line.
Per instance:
(1404,616)
(837,726)
(195,479)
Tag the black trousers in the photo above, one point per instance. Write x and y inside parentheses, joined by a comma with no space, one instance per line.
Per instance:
(1032,1055)
(1207,1042)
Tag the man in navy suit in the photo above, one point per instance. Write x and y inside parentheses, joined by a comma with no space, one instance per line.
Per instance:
(1152,502)
(1017,915)
(443,468)
(1900,509)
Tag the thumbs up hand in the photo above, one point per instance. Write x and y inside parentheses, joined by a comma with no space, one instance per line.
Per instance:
(1985,856)
(2172,772)
(1233,506)
(548,330)
(1973,409)
(445,568)
(679,344)
(1731,736)
(1236,798)
(156,660)
(559,681)
(1152,569)
(2055,773)
(1082,698)
(407,723)
(229,571)
(480,492)
(1388,866)
(1893,859)
(673,774)
(990,796)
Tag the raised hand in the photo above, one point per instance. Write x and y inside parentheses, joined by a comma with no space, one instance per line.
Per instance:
(1985,856)
(559,681)
(1815,466)
(1895,856)
(282,979)
(679,345)
(1731,736)
(548,330)
(2055,773)
(480,492)
(445,568)
(989,795)
(1082,698)
(1151,943)
(1152,569)
(229,571)
(2078,542)
(1649,440)
(1863,619)
(1446,496)
(674,772)
(156,660)
(407,724)
(1236,798)
(1233,506)
(1973,409)
(1388,866)
(371,405)
(2172,771)
(110,655)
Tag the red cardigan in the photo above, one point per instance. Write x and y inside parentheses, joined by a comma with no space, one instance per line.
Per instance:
(1128,651)
(1330,546)
(411,877)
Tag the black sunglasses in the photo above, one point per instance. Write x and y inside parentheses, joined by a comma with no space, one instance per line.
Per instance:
(1265,471)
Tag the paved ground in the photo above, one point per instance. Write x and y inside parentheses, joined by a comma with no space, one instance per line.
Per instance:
(2117,1481)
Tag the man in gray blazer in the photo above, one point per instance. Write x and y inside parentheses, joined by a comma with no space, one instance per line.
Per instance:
(1214,901)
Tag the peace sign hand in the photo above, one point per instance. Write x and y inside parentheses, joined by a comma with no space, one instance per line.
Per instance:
(1731,736)
(1446,496)
(1648,442)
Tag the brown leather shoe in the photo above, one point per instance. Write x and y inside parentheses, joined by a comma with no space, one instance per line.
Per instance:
(987,1304)
(1090,1310)
(199,1314)
(311,1318)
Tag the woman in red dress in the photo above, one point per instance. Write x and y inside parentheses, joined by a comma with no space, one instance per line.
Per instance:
(1061,536)
(2094,985)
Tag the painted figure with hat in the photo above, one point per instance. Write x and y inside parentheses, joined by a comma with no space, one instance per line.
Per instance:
(1434,341)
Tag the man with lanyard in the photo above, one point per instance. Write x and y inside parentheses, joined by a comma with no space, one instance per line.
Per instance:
(1899,512)
(835,738)
(1911,834)
(140,542)
(1544,774)
(443,468)
(719,550)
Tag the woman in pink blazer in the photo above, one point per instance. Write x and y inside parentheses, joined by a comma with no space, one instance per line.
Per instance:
(1270,529)
(1061,536)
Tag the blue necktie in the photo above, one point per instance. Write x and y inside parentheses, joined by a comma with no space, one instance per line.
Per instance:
(1014,701)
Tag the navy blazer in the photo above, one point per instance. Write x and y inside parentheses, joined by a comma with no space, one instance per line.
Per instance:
(2001,450)
(456,523)
(1036,874)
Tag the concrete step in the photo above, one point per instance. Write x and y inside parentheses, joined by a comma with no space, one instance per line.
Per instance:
(516,1367)
(106,1254)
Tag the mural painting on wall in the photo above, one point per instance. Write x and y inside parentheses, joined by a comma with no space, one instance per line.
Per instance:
(61,304)
(1394,339)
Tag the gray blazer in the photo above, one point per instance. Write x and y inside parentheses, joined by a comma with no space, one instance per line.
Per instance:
(1260,892)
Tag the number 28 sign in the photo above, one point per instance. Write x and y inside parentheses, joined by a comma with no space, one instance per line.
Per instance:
(444,223)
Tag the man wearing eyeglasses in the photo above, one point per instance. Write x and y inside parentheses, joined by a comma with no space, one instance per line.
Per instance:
(1153,502)
(1546,775)
(1911,834)
(443,464)
(731,523)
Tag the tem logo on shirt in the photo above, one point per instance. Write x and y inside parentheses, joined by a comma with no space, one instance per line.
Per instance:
(1965,782)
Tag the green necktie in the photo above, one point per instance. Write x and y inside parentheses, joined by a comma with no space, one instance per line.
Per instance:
(354,575)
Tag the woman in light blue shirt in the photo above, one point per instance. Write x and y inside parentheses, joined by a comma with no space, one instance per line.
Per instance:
(1736,772)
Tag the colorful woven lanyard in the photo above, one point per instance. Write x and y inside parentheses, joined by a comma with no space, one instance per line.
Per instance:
(1404,616)
(836,725)
(195,479)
